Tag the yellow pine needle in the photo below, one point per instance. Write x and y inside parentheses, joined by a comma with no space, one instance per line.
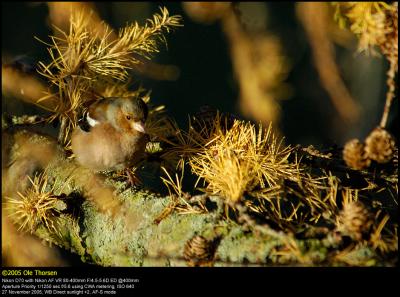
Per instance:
(36,206)
(175,190)
(376,239)
(366,20)
(174,186)
(344,255)
(236,160)
(349,196)
(82,58)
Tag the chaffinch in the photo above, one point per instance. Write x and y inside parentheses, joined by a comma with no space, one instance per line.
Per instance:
(111,135)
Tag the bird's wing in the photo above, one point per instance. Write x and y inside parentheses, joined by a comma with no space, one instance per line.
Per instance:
(94,115)
(97,112)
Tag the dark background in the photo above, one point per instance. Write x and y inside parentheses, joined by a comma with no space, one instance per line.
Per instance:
(201,53)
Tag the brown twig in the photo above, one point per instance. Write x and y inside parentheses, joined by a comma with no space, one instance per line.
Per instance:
(26,87)
(390,93)
(314,17)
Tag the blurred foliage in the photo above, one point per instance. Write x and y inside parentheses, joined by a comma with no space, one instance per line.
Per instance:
(201,54)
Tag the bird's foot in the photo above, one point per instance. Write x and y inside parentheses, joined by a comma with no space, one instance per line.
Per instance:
(133,179)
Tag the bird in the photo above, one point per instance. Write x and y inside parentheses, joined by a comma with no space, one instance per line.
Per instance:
(111,134)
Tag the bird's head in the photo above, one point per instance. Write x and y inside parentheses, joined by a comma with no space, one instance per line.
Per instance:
(129,114)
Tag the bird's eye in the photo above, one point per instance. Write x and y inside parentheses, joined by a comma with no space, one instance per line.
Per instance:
(128,117)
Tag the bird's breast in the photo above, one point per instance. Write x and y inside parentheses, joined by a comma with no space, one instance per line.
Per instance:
(105,148)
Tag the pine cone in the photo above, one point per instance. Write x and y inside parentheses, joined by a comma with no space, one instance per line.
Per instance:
(354,220)
(380,145)
(355,156)
(198,251)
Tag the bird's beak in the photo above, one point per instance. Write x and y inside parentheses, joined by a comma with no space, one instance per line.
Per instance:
(139,126)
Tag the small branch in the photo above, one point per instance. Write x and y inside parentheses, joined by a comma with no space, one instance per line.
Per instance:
(314,17)
(63,127)
(390,93)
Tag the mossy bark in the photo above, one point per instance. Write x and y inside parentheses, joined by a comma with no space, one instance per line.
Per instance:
(131,233)
(114,240)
